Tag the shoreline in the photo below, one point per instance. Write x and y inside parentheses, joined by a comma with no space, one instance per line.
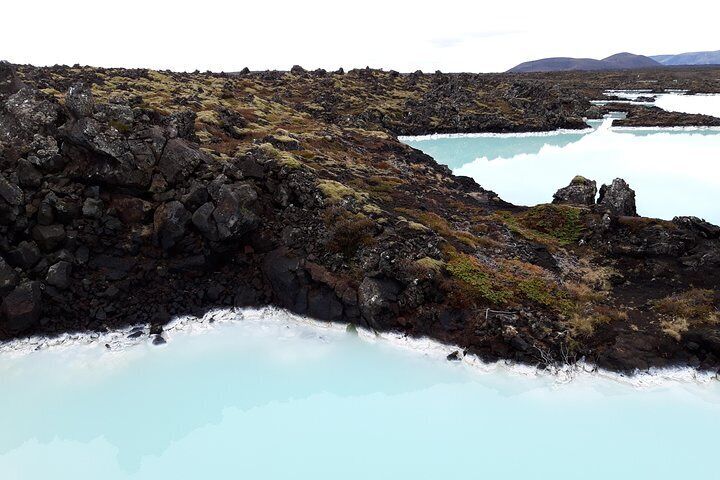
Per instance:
(119,340)
(551,133)
(677,128)
(142,200)
(561,131)
(546,133)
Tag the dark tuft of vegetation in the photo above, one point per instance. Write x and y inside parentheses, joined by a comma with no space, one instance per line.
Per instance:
(348,231)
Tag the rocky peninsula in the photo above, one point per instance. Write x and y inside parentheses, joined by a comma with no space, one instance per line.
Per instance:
(131,196)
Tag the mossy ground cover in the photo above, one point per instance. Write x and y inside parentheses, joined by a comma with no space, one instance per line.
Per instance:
(440,226)
(561,222)
(508,283)
(476,282)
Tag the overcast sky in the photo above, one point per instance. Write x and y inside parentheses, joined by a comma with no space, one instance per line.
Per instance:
(448,35)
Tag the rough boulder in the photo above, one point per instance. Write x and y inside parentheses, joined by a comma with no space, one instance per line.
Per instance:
(617,199)
(581,191)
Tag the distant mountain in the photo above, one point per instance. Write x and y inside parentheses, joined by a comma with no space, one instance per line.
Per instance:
(661,58)
(557,64)
(690,58)
(619,61)
(627,60)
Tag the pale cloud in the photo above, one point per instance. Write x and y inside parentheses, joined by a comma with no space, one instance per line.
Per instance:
(450,36)
(455,40)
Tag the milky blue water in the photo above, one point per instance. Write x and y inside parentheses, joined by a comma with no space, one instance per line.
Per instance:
(677,101)
(270,397)
(673,171)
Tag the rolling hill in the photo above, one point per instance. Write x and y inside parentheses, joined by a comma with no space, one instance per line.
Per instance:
(689,58)
(619,61)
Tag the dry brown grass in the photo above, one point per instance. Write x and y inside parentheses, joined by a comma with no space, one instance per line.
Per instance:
(585,324)
(441,226)
(675,327)
(682,311)
(695,304)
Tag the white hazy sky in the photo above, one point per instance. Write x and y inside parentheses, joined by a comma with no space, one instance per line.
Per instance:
(451,35)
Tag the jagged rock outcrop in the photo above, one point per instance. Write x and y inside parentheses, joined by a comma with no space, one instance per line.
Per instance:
(116,145)
(27,116)
(79,101)
(695,224)
(171,220)
(231,215)
(9,83)
(377,299)
(581,191)
(617,199)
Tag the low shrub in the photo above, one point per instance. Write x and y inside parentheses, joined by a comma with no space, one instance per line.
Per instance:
(348,231)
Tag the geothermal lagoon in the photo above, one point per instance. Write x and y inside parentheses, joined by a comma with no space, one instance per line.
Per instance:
(674,171)
(265,394)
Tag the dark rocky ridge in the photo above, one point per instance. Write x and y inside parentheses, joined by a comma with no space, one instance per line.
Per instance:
(651,116)
(129,196)
(701,79)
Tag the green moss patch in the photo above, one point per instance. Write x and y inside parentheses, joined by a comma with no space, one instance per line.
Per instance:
(549,224)
(476,282)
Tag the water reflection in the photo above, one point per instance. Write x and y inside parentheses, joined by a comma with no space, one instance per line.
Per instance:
(457,151)
(674,172)
(671,100)
(272,399)
(145,399)
(702,104)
